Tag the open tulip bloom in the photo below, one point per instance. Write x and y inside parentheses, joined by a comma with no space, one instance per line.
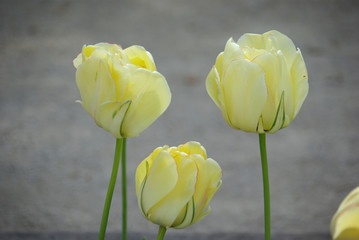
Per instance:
(123,92)
(259,83)
(174,185)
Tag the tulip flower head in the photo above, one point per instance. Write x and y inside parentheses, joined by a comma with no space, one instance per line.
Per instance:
(174,185)
(345,222)
(259,82)
(121,89)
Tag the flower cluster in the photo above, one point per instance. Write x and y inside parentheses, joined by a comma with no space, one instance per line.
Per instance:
(259,83)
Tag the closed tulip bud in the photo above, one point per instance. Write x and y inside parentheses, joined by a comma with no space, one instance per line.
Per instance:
(174,185)
(121,89)
(259,82)
(345,222)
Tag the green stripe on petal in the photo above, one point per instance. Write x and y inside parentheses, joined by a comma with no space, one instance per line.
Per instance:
(188,216)
(111,116)
(279,117)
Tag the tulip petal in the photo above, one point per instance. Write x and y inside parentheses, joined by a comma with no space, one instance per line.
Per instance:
(111,116)
(209,180)
(347,224)
(141,171)
(141,188)
(95,84)
(251,40)
(232,51)
(161,180)
(147,105)
(219,64)
(351,198)
(77,61)
(213,87)
(186,217)
(286,86)
(140,57)
(271,66)
(166,211)
(245,94)
(300,82)
(274,40)
(193,147)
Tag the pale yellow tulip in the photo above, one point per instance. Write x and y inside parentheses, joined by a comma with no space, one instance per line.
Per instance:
(345,222)
(259,82)
(174,185)
(121,89)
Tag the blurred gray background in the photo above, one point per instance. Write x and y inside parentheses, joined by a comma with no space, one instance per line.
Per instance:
(55,162)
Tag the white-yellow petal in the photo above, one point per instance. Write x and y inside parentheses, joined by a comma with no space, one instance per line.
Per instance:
(140,57)
(286,86)
(213,87)
(95,84)
(274,41)
(251,40)
(299,77)
(166,211)
(271,66)
(148,104)
(245,94)
(232,52)
(142,168)
(185,218)
(219,65)
(209,180)
(346,226)
(111,116)
(345,222)
(193,147)
(77,61)
(155,188)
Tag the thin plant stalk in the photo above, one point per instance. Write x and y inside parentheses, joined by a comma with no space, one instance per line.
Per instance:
(124,191)
(161,233)
(111,187)
(263,150)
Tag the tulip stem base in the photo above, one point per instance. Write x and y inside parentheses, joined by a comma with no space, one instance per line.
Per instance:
(124,191)
(161,233)
(263,150)
(111,187)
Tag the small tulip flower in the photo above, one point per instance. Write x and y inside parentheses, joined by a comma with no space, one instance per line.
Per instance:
(121,89)
(259,82)
(174,185)
(345,222)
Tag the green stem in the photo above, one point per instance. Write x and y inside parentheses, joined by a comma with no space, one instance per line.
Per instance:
(161,233)
(262,145)
(111,187)
(124,192)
